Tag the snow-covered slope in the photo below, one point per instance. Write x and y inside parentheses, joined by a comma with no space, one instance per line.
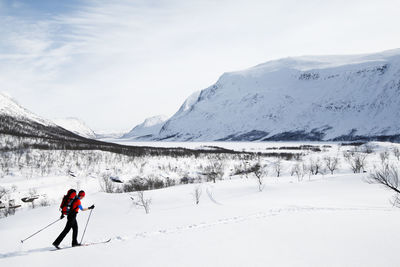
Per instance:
(9,107)
(302,98)
(333,220)
(150,127)
(76,126)
(28,129)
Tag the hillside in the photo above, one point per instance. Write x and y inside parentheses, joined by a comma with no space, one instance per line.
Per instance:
(76,126)
(147,129)
(305,98)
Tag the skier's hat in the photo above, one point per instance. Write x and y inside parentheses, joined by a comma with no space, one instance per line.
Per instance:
(81,194)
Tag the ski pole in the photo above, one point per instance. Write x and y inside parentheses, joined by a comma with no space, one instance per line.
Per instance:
(22,241)
(84,231)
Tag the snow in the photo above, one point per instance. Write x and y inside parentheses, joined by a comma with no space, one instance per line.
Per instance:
(150,126)
(76,126)
(331,95)
(10,107)
(324,220)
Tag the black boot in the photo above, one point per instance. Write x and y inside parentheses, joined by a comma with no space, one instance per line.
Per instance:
(56,245)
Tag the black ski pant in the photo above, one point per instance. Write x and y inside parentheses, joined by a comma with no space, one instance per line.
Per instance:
(71,223)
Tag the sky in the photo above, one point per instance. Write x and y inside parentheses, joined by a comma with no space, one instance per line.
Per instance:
(115,63)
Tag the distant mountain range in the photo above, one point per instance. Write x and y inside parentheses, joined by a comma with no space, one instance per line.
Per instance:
(76,126)
(303,98)
(18,121)
(339,98)
(21,129)
(146,130)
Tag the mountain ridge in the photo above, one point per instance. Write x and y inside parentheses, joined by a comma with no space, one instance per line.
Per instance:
(305,98)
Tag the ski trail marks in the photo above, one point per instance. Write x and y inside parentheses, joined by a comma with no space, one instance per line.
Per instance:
(240,219)
(210,195)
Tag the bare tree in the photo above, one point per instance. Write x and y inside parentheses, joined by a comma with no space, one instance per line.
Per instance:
(33,195)
(260,172)
(278,167)
(314,167)
(7,205)
(140,201)
(197,194)
(388,176)
(356,160)
(396,153)
(384,156)
(215,170)
(106,184)
(331,163)
(299,170)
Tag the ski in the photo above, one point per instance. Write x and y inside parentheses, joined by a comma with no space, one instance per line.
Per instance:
(84,245)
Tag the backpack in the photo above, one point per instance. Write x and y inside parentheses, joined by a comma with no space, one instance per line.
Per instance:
(67,201)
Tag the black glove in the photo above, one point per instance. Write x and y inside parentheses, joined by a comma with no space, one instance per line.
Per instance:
(62,216)
(91,207)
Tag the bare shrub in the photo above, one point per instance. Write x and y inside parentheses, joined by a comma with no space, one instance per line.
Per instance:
(140,201)
(215,170)
(278,167)
(33,196)
(260,172)
(299,170)
(142,184)
(44,202)
(197,191)
(106,184)
(154,182)
(332,163)
(355,159)
(7,205)
(384,156)
(135,184)
(314,166)
(367,148)
(396,153)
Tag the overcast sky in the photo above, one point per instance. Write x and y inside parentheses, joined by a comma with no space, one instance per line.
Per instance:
(115,63)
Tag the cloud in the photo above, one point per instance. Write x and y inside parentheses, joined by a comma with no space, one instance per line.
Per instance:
(115,63)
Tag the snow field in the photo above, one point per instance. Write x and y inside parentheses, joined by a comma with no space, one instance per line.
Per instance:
(324,220)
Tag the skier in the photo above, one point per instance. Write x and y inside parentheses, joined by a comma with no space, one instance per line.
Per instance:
(75,206)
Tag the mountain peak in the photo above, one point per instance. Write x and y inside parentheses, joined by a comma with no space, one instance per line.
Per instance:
(299,98)
(10,107)
(150,127)
(76,126)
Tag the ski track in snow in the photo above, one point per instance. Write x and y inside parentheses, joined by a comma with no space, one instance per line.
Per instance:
(240,219)
(210,195)
(231,220)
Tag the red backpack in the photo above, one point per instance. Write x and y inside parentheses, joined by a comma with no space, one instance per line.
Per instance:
(67,201)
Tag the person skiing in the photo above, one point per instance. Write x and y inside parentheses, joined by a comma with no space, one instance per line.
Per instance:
(75,206)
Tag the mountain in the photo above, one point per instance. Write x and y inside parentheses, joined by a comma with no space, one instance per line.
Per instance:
(76,126)
(25,129)
(147,129)
(103,134)
(21,130)
(9,107)
(303,98)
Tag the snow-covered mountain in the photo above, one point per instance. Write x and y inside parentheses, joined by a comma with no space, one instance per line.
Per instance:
(9,107)
(302,98)
(103,134)
(147,129)
(30,129)
(76,126)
